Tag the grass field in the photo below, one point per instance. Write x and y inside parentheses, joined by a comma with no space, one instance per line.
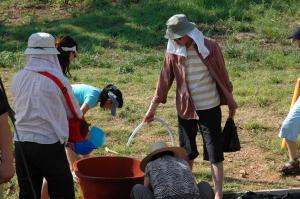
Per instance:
(122,42)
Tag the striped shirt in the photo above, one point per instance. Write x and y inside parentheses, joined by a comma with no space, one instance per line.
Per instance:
(201,85)
(170,176)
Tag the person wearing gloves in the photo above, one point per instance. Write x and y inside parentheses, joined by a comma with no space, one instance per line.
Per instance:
(168,175)
(203,85)
(42,122)
(290,128)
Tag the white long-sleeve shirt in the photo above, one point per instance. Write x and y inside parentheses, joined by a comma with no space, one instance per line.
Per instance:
(41,109)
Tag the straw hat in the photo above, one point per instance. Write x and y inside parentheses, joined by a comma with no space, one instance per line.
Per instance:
(178,26)
(41,43)
(159,147)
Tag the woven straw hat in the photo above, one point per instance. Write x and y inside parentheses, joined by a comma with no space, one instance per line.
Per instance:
(159,147)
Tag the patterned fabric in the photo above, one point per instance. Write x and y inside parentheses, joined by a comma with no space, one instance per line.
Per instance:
(170,176)
(201,85)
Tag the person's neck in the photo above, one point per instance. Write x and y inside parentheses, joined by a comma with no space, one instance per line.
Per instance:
(189,43)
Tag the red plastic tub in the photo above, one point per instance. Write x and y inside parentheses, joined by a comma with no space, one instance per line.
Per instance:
(108,177)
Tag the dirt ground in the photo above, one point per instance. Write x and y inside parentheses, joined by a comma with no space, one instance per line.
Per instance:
(249,166)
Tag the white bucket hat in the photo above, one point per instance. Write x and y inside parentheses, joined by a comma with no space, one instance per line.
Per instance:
(41,43)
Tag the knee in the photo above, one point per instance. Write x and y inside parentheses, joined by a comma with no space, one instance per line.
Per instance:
(136,191)
(205,188)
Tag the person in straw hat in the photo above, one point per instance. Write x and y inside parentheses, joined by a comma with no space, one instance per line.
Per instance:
(169,176)
(42,122)
(197,65)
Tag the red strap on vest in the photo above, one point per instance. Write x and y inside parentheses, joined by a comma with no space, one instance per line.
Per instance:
(63,89)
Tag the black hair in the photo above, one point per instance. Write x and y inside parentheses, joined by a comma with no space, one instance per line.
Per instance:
(64,56)
(104,95)
(162,154)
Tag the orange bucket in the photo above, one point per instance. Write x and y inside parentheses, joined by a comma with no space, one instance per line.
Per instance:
(108,177)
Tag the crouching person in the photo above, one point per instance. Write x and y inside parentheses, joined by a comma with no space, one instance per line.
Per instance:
(169,176)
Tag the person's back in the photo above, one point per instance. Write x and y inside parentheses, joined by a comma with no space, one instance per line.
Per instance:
(171,176)
(42,122)
(40,108)
(86,94)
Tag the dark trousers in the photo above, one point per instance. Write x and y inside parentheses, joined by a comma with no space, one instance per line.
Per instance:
(44,161)
(209,124)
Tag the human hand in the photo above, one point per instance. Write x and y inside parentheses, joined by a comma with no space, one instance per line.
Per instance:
(148,117)
(231,113)
(7,171)
(150,113)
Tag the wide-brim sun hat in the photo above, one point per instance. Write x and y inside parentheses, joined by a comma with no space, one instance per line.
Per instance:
(178,26)
(41,43)
(160,147)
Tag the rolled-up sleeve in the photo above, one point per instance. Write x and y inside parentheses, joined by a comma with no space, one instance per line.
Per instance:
(165,81)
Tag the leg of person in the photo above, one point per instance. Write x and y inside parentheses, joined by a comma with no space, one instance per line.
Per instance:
(72,157)
(44,193)
(141,192)
(292,148)
(210,127)
(217,175)
(28,188)
(57,173)
(206,192)
(187,137)
(290,129)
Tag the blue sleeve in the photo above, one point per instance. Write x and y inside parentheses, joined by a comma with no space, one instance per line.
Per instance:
(91,101)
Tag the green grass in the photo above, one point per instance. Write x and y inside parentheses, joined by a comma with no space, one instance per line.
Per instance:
(123,43)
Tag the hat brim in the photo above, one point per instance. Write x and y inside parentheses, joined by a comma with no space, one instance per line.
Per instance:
(172,35)
(41,51)
(179,152)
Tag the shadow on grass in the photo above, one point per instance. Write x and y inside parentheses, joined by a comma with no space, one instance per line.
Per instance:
(124,27)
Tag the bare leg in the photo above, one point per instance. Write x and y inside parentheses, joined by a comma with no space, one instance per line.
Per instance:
(71,155)
(292,149)
(217,174)
(45,194)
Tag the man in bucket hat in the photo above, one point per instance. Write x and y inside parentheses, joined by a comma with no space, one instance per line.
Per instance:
(197,65)
(42,122)
(169,175)
(290,128)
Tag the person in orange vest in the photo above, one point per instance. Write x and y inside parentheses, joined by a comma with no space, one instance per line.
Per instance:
(290,128)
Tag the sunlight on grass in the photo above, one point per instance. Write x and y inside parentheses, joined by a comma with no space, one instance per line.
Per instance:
(123,43)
